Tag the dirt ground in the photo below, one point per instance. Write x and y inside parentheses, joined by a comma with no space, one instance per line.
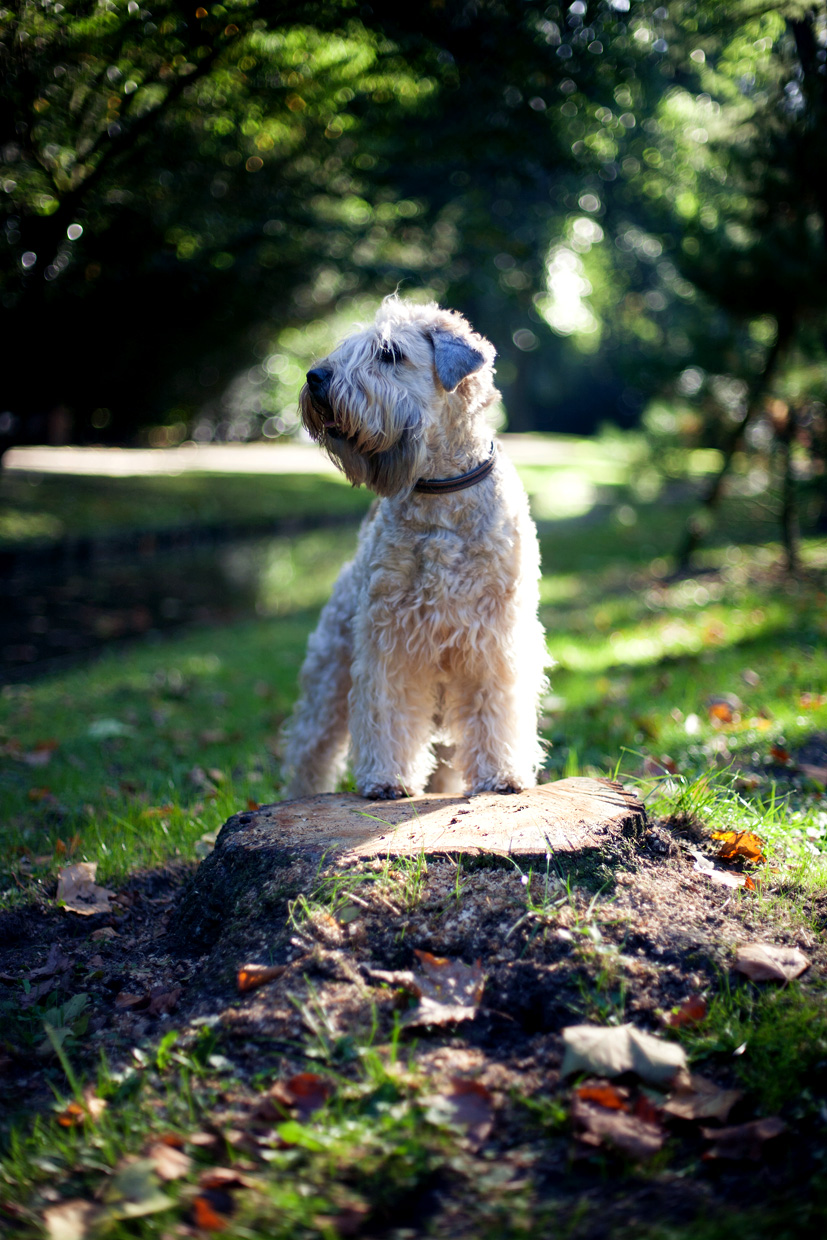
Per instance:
(613,938)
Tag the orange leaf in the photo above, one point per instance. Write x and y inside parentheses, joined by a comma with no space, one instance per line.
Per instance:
(604,1095)
(252,805)
(206,1216)
(252,975)
(691,1012)
(722,711)
(740,844)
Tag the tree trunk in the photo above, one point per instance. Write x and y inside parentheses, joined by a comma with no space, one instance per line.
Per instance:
(790,533)
(697,527)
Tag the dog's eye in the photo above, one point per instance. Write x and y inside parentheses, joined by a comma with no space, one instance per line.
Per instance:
(391,354)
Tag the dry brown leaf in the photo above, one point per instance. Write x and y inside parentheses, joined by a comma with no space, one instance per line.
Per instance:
(702,1099)
(817,773)
(724,878)
(162,1001)
(75,1113)
(691,1012)
(468,1104)
(251,976)
(448,990)
(638,1138)
(303,1094)
(740,844)
(41,755)
(226,1177)
(78,892)
(128,1001)
(744,1141)
(170,1163)
(71,1220)
(612,1051)
(348,1222)
(765,962)
(56,962)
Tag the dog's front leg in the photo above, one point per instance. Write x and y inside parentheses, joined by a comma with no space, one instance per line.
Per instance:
(391,709)
(494,718)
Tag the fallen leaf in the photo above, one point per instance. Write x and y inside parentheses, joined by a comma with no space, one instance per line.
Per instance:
(702,1099)
(162,1001)
(41,755)
(56,962)
(744,1141)
(226,1177)
(659,766)
(75,1113)
(781,755)
(348,1222)
(127,1000)
(105,932)
(740,844)
(635,1137)
(691,1012)
(304,1093)
(469,1105)
(78,892)
(765,962)
(40,794)
(448,990)
(612,1051)
(252,975)
(170,1163)
(645,1109)
(212,1208)
(71,1220)
(723,877)
(816,773)
(135,1191)
(604,1095)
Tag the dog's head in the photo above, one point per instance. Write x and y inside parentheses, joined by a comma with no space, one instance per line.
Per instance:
(373,400)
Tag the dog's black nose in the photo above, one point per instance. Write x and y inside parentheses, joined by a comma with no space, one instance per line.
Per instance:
(318,381)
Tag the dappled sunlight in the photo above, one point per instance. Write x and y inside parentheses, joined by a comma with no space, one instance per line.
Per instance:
(287,575)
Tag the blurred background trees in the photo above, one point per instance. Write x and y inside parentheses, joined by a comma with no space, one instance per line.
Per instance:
(629,198)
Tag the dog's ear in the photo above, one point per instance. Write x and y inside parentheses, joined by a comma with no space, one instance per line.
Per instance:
(454,358)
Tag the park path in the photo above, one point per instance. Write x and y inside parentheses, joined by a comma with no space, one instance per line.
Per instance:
(284,457)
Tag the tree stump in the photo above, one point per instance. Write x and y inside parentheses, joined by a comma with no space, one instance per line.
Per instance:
(572,816)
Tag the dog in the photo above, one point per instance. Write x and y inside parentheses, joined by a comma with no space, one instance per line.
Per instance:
(428,664)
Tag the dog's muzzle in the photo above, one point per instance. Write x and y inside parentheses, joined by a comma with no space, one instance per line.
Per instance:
(318,385)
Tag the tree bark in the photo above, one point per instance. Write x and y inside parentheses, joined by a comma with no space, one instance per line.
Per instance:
(696,527)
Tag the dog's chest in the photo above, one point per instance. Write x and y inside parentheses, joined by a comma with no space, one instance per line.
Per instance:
(425,570)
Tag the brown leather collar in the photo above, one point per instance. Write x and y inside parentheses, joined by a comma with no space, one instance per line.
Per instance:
(443,486)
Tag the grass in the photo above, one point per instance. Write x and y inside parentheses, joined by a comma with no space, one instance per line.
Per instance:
(137,759)
(43,508)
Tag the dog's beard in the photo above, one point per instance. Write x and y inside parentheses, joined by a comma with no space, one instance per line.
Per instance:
(388,463)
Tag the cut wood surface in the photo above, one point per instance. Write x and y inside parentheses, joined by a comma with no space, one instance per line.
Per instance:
(565,816)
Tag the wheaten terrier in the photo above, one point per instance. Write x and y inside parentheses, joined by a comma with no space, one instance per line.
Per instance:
(428,661)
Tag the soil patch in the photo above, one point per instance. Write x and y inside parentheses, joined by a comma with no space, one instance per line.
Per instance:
(568,940)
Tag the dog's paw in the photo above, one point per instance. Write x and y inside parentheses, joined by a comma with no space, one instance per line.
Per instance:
(384,792)
(498,785)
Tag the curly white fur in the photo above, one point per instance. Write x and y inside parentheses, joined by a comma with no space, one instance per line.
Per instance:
(430,647)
